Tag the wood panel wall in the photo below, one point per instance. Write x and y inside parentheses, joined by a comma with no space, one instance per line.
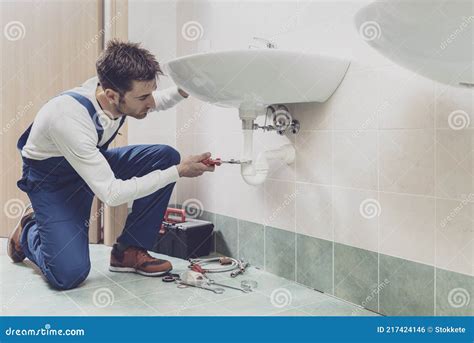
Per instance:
(48,47)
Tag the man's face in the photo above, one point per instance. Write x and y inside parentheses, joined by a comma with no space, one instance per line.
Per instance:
(139,100)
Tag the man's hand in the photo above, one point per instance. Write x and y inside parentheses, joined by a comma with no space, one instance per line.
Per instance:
(192,166)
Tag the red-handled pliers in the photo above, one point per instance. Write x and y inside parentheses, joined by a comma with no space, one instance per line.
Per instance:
(218,161)
(197,268)
(212,162)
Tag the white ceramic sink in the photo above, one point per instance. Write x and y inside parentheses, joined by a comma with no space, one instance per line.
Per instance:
(257,76)
(434,38)
(250,80)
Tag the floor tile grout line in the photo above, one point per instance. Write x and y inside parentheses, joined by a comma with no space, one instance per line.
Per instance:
(209,300)
(128,291)
(333,269)
(173,289)
(295,230)
(75,303)
(216,302)
(378,217)
(435,157)
(433,196)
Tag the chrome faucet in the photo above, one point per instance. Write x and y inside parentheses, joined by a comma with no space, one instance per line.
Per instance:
(268,44)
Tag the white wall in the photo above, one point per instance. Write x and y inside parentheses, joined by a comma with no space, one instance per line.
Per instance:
(153,23)
(383,135)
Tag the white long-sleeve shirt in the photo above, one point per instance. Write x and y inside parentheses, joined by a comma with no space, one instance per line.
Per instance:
(63,127)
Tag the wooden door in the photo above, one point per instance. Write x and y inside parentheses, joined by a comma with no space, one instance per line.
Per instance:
(46,47)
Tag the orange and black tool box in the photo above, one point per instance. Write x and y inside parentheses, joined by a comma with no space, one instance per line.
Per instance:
(184,237)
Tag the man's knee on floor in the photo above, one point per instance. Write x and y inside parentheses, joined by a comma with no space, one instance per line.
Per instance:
(63,277)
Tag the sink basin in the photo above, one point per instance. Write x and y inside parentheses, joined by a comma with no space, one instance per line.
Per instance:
(257,76)
(433,38)
(250,80)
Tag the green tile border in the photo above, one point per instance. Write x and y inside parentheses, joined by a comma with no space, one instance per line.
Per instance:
(356,275)
(454,294)
(409,290)
(251,243)
(226,235)
(280,248)
(314,263)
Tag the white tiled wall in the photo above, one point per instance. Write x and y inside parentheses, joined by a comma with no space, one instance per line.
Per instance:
(382,142)
(153,23)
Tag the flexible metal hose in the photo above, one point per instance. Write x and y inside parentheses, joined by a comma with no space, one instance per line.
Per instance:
(223,268)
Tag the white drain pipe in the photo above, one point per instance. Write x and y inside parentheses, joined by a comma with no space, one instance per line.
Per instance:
(255,172)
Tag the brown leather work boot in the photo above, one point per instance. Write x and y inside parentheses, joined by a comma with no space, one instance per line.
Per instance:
(14,249)
(137,260)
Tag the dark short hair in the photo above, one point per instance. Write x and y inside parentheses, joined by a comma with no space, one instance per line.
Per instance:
(122,62)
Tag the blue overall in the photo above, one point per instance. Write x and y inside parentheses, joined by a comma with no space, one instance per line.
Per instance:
(56,240)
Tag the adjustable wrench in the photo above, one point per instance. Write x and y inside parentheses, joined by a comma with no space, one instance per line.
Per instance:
(215,290)
(212,282)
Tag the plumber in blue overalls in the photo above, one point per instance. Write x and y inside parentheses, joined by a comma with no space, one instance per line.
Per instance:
(66,161)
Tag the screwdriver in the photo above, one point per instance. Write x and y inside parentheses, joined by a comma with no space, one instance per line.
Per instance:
(218,161)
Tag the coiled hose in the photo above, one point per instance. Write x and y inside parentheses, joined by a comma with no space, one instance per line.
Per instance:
(223,266)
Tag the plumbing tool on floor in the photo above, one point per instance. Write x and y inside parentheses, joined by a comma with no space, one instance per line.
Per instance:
(196,276)
(224,264)
(249,285)
(242,267)
(215,290)
(170,277)
(197,268)
(191,278)
(212,282)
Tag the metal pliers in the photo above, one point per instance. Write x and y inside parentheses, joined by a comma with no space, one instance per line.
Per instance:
(218,161)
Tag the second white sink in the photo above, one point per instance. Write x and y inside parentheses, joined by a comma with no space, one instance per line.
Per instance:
(433,38)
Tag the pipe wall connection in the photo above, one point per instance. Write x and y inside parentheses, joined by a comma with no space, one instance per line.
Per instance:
(255,172)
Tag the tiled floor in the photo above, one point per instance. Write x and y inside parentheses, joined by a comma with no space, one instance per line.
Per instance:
(24,292)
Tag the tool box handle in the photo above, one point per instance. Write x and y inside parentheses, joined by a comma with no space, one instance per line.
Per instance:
(180,212)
